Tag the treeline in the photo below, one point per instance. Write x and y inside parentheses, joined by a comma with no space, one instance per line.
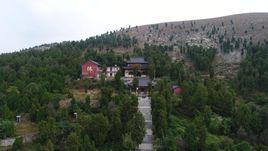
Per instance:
(201,57)
(34,78)
(31,81)
(108,58)
(161,108)
(253,74)
(210,114)
(115,124)
(206,117)
(34,81)
(213,114)
(111,40)
(38,77)
(160,64)
(218,95)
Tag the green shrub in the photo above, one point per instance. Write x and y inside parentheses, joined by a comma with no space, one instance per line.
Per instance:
(17,144)
(7,129)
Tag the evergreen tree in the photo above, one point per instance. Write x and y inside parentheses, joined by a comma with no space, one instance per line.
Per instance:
(72,142)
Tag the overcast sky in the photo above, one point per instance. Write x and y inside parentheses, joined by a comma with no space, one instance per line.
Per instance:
(26,23)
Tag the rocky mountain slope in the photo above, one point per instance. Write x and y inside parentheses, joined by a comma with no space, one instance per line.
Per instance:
(229,34)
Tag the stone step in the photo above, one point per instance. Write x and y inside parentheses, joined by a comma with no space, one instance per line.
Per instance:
(149,125)
(146,98)
(147,116)
(146,147)
(144,107)
(149,131)
(146,113)
(145,110)
(144,103)
(147,139)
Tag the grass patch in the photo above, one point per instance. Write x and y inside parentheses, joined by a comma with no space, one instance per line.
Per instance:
(80,95)
(26,127)
(29,147)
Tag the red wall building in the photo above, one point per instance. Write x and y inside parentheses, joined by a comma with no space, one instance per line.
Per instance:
(91,69)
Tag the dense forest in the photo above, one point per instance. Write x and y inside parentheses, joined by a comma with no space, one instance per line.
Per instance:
(253,74)
(34,82)
(210,114)
(201,57)
(214,114)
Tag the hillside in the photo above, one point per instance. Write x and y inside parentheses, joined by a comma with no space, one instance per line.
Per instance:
(65,109)
(179,33)
(229,35)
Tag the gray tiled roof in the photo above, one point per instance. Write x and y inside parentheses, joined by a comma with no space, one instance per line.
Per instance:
(137,60)
(144,81)
(96,62)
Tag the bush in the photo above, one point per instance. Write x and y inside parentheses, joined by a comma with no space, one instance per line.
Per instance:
(7,129)
(219,126)
(242,146)
(215,125)
(17,144)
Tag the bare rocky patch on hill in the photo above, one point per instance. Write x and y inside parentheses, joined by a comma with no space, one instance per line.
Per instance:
(230,35)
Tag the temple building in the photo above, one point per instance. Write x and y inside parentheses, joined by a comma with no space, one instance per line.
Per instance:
(111,71)
(136,67)
(91,69)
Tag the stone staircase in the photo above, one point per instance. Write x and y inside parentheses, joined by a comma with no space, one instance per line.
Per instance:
(145,108)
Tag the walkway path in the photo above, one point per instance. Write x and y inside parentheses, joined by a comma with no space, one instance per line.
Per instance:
(145,108)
